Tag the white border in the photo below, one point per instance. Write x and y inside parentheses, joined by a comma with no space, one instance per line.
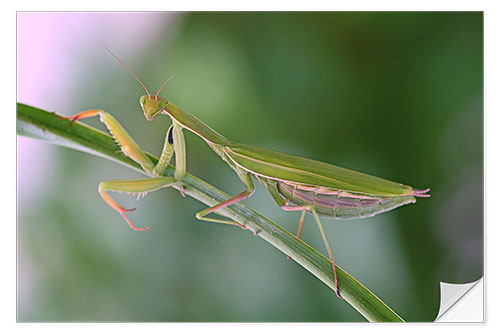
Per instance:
(492,165)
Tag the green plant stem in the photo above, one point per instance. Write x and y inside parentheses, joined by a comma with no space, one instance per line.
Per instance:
(40,124)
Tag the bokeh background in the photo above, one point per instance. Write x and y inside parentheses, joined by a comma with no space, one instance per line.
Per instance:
(397,95)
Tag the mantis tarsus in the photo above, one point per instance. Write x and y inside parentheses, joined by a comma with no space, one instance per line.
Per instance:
(295,183)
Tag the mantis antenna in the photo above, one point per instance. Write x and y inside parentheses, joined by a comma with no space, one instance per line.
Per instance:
(168,80)
(142,84)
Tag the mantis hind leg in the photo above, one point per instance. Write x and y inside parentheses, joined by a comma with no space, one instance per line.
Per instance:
(323,235)
(139,186)
(272,187)
(301,224)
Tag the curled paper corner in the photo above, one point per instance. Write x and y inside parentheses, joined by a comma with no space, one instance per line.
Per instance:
(461,303)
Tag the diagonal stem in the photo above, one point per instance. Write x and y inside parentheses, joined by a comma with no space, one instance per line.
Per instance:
(43,125)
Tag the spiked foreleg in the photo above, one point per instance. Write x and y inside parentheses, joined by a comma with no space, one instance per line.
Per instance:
(166,153)
(128,146)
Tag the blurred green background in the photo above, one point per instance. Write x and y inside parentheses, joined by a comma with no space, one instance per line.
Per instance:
(397,95)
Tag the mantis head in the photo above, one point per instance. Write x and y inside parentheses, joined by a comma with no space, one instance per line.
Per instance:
(152,105)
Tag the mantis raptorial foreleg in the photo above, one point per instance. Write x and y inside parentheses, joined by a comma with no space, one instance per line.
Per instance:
(174,142)
(122,138)
(166,153)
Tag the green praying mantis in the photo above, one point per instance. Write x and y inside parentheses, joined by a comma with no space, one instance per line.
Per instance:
(295,183)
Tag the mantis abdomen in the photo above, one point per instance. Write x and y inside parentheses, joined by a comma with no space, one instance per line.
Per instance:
(340,204)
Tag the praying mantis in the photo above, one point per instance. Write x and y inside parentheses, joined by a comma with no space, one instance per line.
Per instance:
(295,183)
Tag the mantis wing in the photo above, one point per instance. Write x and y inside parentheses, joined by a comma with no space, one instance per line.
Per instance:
(286,167)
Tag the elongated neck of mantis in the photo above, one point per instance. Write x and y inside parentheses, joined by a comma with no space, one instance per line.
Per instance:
(196,126)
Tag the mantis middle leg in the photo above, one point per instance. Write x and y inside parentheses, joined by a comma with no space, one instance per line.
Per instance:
(249,189)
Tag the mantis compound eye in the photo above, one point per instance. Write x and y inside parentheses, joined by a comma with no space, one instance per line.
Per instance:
(142,101)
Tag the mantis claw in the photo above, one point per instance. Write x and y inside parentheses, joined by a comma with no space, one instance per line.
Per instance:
(84,114)
(73,119)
